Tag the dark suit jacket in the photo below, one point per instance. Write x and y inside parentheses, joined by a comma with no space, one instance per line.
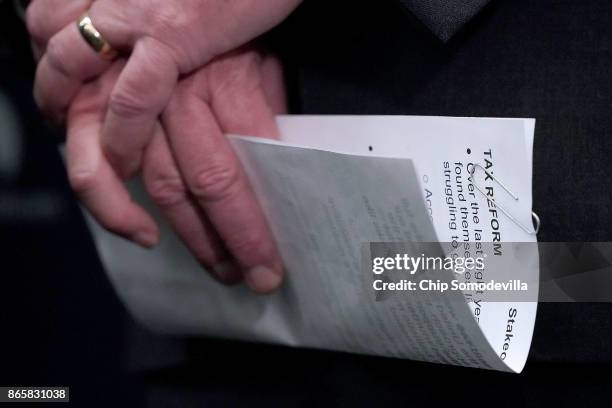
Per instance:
(547,59)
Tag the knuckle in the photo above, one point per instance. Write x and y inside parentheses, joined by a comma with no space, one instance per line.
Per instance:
(125,103)
(166,190)
(57,55)
(215,182)
(82,181)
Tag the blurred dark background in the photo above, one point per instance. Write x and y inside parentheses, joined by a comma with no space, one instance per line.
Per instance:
(61,323)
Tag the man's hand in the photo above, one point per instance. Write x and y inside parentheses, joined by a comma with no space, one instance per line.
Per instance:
(238,93)
(114,131)
(164,39)
(195,179)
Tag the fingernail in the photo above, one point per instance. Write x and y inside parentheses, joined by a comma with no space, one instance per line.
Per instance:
(146,239)
(262,279)
(227,272)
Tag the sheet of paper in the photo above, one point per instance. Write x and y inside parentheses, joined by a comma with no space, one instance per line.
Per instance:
(319,187)
(433,142)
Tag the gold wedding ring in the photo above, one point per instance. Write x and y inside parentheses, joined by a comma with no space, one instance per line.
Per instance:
(95,39)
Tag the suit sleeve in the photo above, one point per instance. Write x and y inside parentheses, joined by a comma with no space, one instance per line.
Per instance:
(444,17)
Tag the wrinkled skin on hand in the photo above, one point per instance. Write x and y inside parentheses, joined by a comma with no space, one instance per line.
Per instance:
(113,112)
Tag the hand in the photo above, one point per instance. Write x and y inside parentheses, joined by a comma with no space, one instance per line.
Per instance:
(68,62)
(195,179)
(164,39)
(240,92)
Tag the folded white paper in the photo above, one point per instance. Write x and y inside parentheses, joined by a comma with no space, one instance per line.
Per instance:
(331,184)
